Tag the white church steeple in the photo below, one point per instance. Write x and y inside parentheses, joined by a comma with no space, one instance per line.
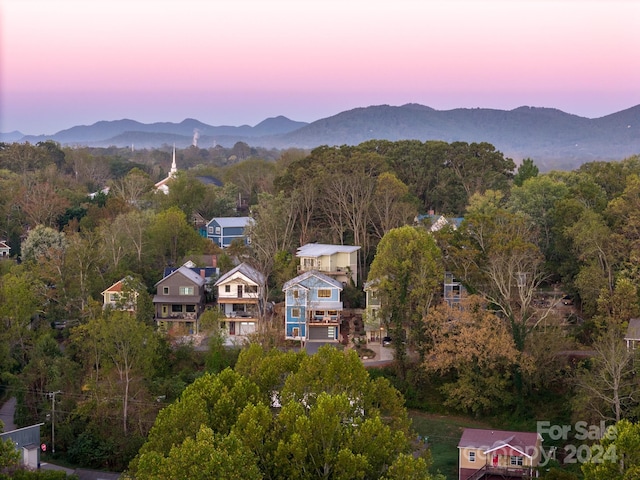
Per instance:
(174,168)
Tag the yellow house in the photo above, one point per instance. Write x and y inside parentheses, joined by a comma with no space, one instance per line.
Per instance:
(487,454)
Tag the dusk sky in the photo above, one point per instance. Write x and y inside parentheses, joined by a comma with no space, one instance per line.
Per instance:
(234,62)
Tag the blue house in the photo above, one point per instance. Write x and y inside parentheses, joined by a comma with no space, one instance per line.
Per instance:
(313,307)
(224,230)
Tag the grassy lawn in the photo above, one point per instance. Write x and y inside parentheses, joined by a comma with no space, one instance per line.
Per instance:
(444,433)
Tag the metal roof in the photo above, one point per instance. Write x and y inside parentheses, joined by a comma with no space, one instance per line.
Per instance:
(226,222)
(319,249)
(312,273)
(246,270)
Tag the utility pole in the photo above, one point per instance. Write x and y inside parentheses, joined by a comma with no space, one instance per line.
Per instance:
(53,419)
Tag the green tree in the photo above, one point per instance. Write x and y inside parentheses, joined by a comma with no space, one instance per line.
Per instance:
(407,271)
(527,169)
(617,455)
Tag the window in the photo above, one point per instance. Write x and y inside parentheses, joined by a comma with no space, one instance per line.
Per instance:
(113,297)
(295,332)
(324,293)
(191,308)
(217,230)
(227,289)
(295,294)
(332,313)
(165,290)
(251,289)
(516,461)
(186,290)
(472,456)
(210,230)
(176,308)
(295,312)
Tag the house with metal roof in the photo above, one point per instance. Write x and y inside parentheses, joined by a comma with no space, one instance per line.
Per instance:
(224,230)
(487,454)
(337,261)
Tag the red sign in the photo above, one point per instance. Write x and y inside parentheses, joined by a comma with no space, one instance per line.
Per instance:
(43,447)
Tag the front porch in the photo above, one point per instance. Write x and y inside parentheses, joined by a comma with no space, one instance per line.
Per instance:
(489,472)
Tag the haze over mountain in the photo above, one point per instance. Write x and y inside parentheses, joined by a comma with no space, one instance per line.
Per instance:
(554,139)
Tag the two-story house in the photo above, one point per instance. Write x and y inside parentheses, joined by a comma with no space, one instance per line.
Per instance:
(122,295)
(224,230)
(204,265)
(484,454)
(313,307)
(179,301)
(337,261)
(241,299)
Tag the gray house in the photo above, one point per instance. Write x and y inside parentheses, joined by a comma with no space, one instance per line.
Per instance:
(27,442)
(180,300)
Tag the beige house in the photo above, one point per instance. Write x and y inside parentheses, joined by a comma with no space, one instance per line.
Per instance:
(486,454)
(120,296)
(336,261)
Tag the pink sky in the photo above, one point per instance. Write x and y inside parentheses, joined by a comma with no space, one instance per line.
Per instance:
(232,62)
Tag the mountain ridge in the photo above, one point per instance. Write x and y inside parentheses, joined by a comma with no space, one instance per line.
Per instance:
(552,137)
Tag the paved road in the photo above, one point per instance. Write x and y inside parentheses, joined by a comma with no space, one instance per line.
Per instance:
(6,414)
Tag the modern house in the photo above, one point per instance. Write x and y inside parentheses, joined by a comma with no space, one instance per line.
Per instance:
(337,261)
(632,336)
(121,296)
(313,307)
(4,249)
(179,301)
(224,230)
(241,299)
(374,326)
(487,454)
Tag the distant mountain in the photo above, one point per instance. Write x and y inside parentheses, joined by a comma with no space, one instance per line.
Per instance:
(554,139)
(125,132)
(11,137)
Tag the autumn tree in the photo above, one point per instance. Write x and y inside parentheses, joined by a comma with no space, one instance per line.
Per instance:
(477,348)
(495,253)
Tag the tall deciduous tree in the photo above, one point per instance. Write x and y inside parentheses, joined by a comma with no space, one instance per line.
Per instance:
(391,205)
(407,271)
(477,348)
(607,386)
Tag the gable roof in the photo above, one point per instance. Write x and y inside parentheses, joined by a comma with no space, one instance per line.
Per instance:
(633,330)
(226,222)
(312,273)
(319,249)
(246,270)
(116,287)
(188,273)
(4,244)
(491,440)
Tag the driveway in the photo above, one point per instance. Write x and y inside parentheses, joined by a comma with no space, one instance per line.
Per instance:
(6,414)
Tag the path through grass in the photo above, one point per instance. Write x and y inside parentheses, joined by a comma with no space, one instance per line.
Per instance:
(443,432)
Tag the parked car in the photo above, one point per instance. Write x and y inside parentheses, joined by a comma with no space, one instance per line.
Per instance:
(567,300)
(386,341)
